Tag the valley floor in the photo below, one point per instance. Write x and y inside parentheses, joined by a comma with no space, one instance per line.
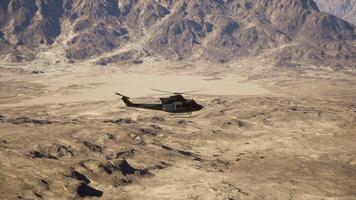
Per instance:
(296,140)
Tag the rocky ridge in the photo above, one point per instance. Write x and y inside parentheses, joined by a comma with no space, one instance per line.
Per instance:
(345,9)
(112,31)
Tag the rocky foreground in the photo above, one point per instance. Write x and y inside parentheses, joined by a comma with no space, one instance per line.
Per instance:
(275,146)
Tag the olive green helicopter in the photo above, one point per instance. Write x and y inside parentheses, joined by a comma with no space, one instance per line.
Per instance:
(172,104)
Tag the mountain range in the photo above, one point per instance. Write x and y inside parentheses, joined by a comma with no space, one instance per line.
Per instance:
(112,31)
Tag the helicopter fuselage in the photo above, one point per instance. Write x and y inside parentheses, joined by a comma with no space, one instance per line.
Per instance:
(172,104)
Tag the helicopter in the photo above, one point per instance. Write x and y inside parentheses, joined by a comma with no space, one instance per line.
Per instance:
(172,104)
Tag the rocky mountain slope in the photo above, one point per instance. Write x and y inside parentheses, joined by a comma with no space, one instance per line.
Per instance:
(218,30)
(342,8)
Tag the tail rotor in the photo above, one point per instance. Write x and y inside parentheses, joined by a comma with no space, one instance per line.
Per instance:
(122,95)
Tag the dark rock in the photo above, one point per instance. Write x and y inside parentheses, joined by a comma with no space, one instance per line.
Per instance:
(38,195)
(107,168)
(147,131)
(144,172)
(37,72)
(184,153)
(120,121)
(156,127)
(167,148)
(156,118)
(111,136)
(63,150)
(125,181)
(102,62)
(81,25)
(45,183)
(27,120)
(219,101)
(220,164)
(161,165)
(126,168)
(125,153)
(184,122)
(137,61)
(70,61)
(294,108)
(84,190)
(93,147)
(37,154)
(77,175)
(241,123)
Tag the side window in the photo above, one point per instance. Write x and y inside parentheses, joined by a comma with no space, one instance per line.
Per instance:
(178,106)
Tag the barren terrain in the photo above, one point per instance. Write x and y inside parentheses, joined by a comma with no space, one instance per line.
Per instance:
(293,138)
(279,99)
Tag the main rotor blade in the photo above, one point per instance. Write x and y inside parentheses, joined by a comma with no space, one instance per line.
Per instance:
(160,94)
(188,92)
(163,91)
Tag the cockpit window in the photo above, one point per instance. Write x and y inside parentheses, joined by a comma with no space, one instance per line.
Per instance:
(192,103)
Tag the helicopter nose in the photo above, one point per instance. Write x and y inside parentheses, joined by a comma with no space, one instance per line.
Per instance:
(200,107)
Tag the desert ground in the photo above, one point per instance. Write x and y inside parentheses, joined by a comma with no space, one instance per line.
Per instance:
(265,132)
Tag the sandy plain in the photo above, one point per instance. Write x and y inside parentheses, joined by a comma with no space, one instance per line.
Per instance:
(292,136)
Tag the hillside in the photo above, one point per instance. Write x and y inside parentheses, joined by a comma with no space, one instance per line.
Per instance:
(218,31)
(345,9)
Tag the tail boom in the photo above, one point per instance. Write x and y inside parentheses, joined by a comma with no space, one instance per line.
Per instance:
(128,103)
